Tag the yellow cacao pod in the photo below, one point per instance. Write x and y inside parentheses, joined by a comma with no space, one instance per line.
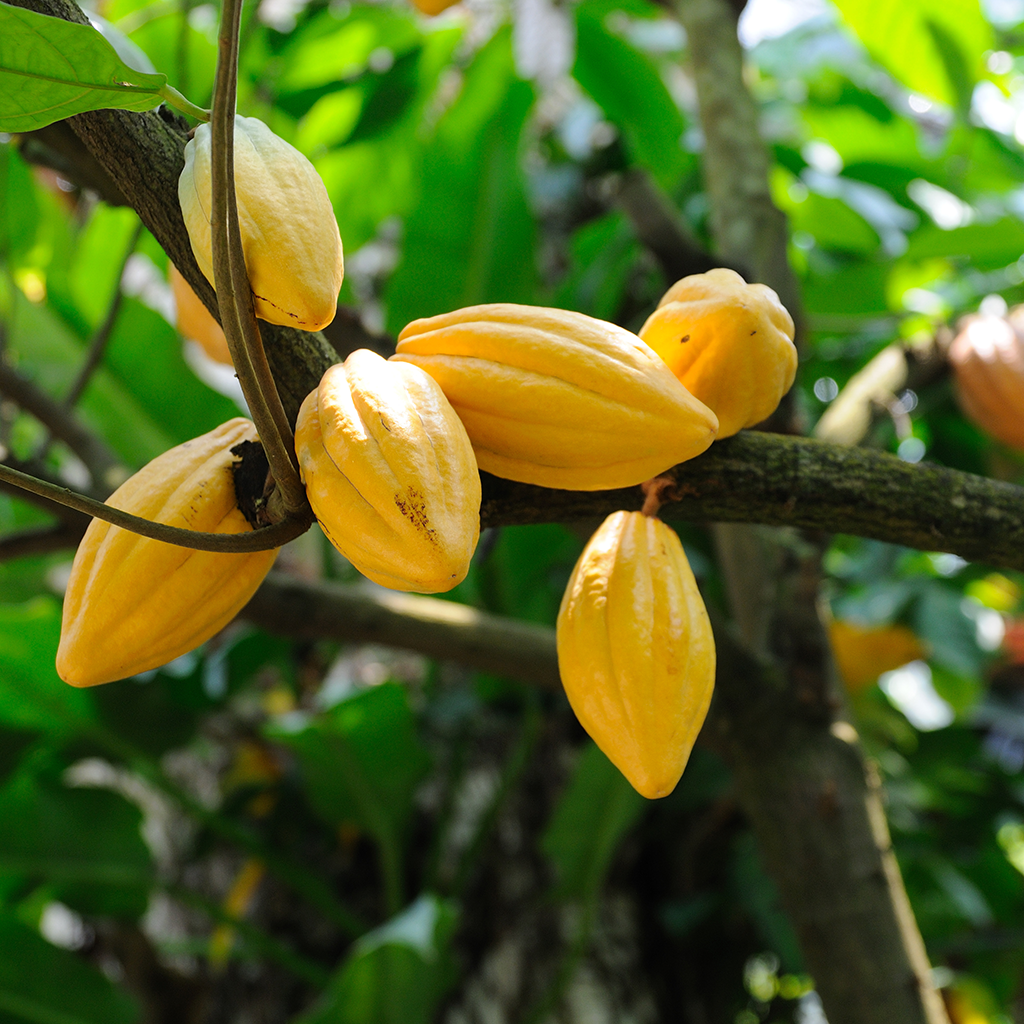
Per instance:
(863,653)
(557,398)
(133,603)
(729,342)
(988,364)
(390,473)
(635,650)
(194,321)
(289,233)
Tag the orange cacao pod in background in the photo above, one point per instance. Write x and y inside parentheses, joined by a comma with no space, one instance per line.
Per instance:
(988,362)
(390,473)
(133,603)
(557,398)
(863,653)
(729,342)
(194,320)
(635,650)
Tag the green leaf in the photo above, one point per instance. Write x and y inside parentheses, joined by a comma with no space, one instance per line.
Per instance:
(470,239)
(19,212)
(628,88)
(42,984)
(396,974)
(935,49)
(51,69)
(361,760)
(594,814)
(32,695)
(85,843)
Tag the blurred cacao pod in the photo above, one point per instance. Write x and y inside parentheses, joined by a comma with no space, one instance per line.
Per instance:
(557,398)
(194,320)
(289,233)
(390,473)
(988,362)
(863,653)
(433,7)
(729,342)
(635,650)
(133,603)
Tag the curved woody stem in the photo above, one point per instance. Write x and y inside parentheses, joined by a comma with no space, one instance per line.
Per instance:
(231,279)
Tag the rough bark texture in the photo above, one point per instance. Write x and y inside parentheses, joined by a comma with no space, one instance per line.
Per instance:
(799,771)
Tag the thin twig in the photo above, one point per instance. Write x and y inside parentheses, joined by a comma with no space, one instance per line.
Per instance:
(231,278)
(103,465)
(264,539)
(100,339)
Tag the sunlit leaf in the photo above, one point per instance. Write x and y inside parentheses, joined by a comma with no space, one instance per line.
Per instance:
(937,50)
(51,69)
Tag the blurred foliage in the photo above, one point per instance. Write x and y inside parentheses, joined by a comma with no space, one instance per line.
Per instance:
(468,159)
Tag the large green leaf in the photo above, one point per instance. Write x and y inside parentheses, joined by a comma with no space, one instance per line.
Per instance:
(41,984)
(361,760)
(18,208)
(396,974)
(85,843)
(596,811)
(936,49)
(471,237)
(32,695)
(51,69)
(629,89)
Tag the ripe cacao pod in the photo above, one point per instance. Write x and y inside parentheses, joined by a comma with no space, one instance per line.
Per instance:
(390,473)
(988,363)
(194,321)
(557,398)
(289,233)
(133,603)
(635,650)
(863,653)
(729,342)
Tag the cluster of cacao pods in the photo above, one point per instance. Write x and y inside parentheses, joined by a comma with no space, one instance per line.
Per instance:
(389,452)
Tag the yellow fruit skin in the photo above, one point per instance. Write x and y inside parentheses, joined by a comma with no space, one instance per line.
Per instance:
(635,650)
(194,320)
(390,473)
(988,364)
(133,603)
(557,398)
(289,233)
(863,653)
(729,342)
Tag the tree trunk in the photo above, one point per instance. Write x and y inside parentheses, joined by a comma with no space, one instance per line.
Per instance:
(799,769)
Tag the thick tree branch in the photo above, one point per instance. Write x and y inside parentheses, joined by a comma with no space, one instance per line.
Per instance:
(798,768)
(439,629)
(777,480)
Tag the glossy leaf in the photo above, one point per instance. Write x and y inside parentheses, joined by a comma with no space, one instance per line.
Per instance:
(595,812)
(51,69)
(42,984)
(396,974)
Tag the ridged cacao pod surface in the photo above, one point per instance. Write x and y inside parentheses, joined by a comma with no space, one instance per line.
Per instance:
(635,650)
(729,342)
(988,363)
(390,473)
(194,320)
(133,603)
(289,232)
(557,398)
